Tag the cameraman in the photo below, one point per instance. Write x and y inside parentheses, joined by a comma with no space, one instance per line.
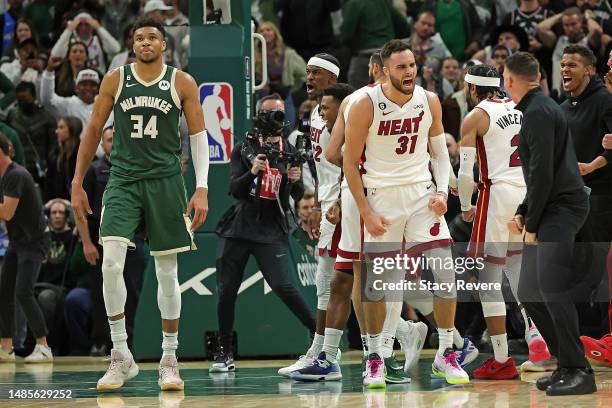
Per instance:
(258,226)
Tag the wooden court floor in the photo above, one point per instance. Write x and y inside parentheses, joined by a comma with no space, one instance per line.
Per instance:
(256,384)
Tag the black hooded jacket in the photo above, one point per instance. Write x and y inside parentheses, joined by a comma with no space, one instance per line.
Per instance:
(589,118)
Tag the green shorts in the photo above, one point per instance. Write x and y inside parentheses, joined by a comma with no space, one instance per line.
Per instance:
(159,203)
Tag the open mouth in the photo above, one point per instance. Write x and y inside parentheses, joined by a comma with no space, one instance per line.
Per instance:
(408,82)
(567,80)
(309,87)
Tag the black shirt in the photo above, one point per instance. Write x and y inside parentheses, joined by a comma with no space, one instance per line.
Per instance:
(589,117)
(56,263)
(94,184)
(28,224)
(259,220)
(547,157)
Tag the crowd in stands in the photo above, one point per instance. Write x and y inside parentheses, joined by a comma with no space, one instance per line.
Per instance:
(55,52)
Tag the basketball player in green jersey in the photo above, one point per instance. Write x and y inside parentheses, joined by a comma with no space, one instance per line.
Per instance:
(145,185)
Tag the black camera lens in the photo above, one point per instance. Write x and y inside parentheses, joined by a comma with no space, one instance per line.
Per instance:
(277,116)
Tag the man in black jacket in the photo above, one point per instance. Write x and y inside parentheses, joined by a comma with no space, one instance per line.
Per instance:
(258,227)
(589,117)
(553,211)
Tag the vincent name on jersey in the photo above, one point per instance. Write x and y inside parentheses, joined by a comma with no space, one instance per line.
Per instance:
(510,119)
(146,102)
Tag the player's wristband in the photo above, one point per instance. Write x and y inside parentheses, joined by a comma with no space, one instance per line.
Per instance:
(199,155)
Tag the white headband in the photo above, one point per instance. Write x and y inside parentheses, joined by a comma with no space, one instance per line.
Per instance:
(482,81)
(325,64)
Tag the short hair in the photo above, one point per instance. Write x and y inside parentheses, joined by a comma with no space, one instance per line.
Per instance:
(308,195)
(572,11)
(443,60)
(425,11)
(26,86)
(587,55)
(272,97)
(339,91)
(26,42)
(148,22)
(5,144)
(393,47)
(375,58)
(484,70)
(524,65)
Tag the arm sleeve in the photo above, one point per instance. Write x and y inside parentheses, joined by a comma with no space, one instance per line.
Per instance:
(540,139)
(199,156)
(60,49)
(109,44)
(49,98)
(440,164)
(466,176)
(7,87)
(241,177)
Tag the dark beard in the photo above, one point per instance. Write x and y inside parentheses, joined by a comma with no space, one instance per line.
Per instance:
(398,85)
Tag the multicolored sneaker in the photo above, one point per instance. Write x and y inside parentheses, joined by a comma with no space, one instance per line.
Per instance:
(321,369)
(394,371)
(598,350)
(223,363)
(447,367)
(538,350)
(467,354)
(302,362)
(413,344)
(494,370)
(375,372)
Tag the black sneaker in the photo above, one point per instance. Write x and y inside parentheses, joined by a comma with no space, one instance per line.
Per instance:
(223,363)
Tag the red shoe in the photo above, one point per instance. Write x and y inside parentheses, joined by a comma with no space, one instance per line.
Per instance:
(598,350)
(493,370)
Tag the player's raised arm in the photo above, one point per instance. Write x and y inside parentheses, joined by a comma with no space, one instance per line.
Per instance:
(198,139)
(333,152)
(102,108)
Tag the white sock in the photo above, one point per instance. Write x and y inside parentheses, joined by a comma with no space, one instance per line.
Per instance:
(331,343)
(119,336)
(386,345)
(364,343)
(526,319)
(457,339)
(374,341)
(445,339)
(169,344)
(500,347)
(316,346)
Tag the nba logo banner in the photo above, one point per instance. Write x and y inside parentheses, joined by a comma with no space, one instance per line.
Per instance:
(216,99)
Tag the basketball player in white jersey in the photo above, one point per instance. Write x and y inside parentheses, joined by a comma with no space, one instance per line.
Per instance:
(396,122)
(491,132)
(411,335)
(322,70)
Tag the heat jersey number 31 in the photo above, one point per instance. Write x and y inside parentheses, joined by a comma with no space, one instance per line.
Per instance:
(149,130)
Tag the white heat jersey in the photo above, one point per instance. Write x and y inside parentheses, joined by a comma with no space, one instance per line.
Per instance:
(328,174)
(352,98)
(396,145)
(497,150)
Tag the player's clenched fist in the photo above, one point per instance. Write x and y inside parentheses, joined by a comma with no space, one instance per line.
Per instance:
(437,204)
(376,224)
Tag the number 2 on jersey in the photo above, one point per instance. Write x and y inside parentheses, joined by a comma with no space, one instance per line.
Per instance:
(515,159)
(403,141)
(149,130)
(317,155)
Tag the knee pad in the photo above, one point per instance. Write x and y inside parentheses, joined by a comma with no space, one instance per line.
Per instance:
(490,309)
(168,291)
(440,262)
(325,270)
(113,287)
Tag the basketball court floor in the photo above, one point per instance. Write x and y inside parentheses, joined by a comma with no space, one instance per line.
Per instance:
(256,384)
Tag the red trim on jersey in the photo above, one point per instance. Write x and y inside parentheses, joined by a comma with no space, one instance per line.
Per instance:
(343,266)
(479,229)
(495,260)
(347,254)
(426,246)
(482,160)
(515,252)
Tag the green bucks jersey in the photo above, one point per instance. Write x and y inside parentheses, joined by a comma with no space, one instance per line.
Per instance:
(147,141)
